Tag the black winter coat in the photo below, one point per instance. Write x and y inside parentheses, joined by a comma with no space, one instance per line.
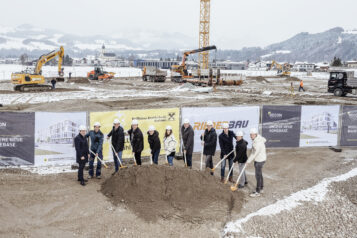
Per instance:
(82,149)
(188,139)
(154,141)
(137,140)
(210,139)
(226,143)
(118,138)
(241,151)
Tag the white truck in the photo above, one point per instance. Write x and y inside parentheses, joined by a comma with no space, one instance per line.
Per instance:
(152,74)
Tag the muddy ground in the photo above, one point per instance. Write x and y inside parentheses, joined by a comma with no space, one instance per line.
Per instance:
(57,206)
(133,93)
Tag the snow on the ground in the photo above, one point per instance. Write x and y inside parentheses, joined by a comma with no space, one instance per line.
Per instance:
(313,194)
(43,170)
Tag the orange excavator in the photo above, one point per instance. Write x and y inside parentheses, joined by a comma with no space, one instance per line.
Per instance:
(180,72)
(99,74)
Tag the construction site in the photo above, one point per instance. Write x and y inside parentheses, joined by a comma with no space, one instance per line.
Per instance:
(307,121)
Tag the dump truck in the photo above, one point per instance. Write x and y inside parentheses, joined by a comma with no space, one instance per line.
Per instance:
(342,82)
(152,74)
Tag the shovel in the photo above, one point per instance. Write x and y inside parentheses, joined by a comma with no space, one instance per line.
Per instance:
(229,173)
(134,159)
(184,155)
(121,166)
(215,167)
(235,186)
(106,166)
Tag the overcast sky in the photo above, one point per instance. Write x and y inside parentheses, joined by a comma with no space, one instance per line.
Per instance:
(234,23)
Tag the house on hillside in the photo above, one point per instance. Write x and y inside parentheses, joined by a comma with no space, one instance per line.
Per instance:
(351,64)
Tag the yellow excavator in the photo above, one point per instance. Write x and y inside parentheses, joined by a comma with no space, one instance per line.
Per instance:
(29,80)
(283,70)
(182,68)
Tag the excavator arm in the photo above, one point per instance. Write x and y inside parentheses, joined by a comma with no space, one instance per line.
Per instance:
(48,57)
(187,53)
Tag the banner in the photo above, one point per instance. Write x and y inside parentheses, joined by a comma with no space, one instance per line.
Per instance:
(349,126)
(160,118)
(319,125)
(238,118)
(54,134)
(17,138)
(281,125)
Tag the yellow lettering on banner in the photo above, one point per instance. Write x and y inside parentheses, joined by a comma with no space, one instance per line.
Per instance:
(160,118)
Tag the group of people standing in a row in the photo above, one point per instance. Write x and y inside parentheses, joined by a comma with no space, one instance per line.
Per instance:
(209,144)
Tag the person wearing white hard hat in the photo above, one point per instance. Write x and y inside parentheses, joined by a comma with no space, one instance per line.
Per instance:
(226,144)
(209,143)
(188,135)
(241,157)
(136,141)
(118,140)
(258,155)
(96,145)
(155,144)
(170,145)
(82,153)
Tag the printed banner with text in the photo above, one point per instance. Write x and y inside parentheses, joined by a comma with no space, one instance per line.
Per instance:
(349,126)
(160,118)
(238,118)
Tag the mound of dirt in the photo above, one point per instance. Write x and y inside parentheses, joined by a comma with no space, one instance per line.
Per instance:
(82,80)
(348,189)
(292,79)
(153,192)
(259,79)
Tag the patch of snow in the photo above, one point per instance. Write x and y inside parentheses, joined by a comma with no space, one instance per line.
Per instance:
(268,93)
(354,32)
(339,40)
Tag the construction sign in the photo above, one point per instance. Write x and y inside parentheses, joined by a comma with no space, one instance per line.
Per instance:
(349,126)
(160,118)
(238,118)
(281,125)
(319,125)
(17,138)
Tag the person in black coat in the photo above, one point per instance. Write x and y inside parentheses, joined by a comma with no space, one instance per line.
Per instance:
(82,152)
(118,139)
(241,157)
(209,143)
(188,135)
(137,141)
(155,144)
(226,143)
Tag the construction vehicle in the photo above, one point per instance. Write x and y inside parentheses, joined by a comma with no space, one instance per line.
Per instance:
(99,74)
(30,80)
(179,72)
(283,70)
(153,74)
(342,82)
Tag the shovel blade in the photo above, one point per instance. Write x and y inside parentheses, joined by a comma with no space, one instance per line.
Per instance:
(234,188)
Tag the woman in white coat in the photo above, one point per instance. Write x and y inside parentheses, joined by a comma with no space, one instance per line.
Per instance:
(169,145)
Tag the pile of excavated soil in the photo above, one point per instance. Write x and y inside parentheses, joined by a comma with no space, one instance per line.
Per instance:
(82,80)
(348,188)
(258,79)
(153,192)
(292,79)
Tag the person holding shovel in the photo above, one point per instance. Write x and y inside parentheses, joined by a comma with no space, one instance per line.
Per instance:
(241,157)
(96,146)
(118,139)
(137,141)
(155,144)
(209,143)
(258,155)
(226,143)
(82,153)
(170,145)
(187,141)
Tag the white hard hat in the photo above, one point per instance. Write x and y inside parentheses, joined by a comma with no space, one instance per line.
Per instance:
(240,133)
(134,122)
(209,123)
(253,131)
(151,128)
(225,126)
(169,128)
(186,121)
(97,124)
(116,121)
(82,128)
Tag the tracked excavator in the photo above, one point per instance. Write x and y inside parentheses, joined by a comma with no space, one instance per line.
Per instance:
(179,72)
(283,70)
(29,80)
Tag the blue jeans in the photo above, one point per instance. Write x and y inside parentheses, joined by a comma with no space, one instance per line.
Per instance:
(223,167)
(155,156)
(99,165)
(116,161)
(171,160)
